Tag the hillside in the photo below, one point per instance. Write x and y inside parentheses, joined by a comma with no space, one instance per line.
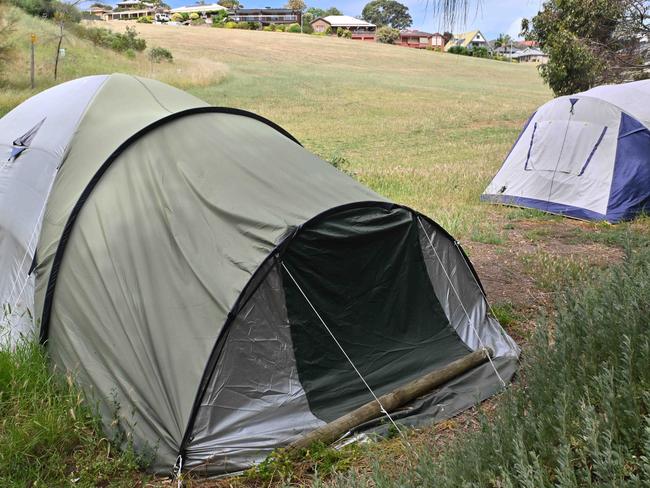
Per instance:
(82,58)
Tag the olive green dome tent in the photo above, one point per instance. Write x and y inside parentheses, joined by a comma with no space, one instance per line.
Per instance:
(199,268)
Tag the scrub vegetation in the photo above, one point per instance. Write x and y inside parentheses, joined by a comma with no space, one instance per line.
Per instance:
(427,130)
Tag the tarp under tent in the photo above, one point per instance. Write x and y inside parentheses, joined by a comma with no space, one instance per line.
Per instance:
(585,156)
(195,265)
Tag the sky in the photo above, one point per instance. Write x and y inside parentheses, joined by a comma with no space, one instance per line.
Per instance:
(492,18)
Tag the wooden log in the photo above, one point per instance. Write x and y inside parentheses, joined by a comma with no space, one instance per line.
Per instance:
(391,401)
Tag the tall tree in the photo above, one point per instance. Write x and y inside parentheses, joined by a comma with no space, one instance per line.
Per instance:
(387,12)
(590,42)
(502,40)
(230,3)
(296,5)
(319,12)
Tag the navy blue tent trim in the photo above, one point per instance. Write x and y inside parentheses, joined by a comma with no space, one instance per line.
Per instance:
(630,190)
(551,207)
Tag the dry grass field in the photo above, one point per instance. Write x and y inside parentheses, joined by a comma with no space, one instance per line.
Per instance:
(425,129)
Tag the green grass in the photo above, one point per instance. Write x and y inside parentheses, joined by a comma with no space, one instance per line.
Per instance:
(48,434)
(581,416)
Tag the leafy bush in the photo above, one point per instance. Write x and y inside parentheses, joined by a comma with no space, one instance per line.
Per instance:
(344,33)
(219,17)
(48,8)
(458,50)
(307,28)
(146,19)
(387,35)
(293,28)
(230,25)
(280,28)
(101,36)
(194,16)
(480,52)
(176,17)
(268,28)
(328,30)
(160,54)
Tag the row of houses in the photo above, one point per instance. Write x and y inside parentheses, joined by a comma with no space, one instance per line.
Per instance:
(134,9)
(359,29)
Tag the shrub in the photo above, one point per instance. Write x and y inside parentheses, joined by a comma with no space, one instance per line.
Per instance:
(219,17)
(480,52)
(160,54)
(230,25)
(130,53)
(243,25)
(294,28)
(268,28)
(344,33)
(145,20)
(458,50)
(328,30)
(387,35)
(177,17)
(194,16)
(47,9)
(307,29)
(101,36)
(280,28)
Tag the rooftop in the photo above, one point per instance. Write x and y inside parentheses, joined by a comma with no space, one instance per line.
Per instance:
(198,8)
(345,21)
(414,33)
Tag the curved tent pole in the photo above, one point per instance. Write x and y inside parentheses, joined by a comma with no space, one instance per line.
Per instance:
(72,218)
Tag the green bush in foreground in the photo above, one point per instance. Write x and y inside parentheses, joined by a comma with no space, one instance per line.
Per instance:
(581,413)
(48,435)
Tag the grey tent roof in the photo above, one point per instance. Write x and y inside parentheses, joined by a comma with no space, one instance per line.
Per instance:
(633,98)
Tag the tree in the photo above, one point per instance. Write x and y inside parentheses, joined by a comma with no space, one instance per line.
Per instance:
(387,35)
(590,42)
(230,3)
(319,12)
(105,6)
(296,5)
(503,40)
(387,12)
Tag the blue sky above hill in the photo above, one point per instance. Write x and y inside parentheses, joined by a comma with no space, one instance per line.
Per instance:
(492,18)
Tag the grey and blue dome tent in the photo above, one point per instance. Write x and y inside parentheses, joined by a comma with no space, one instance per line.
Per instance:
(188,257)
(585,156)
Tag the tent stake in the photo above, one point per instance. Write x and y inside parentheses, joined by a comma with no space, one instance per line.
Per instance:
(334,430)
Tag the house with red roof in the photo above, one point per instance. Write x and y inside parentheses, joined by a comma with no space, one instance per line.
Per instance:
(421,40)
